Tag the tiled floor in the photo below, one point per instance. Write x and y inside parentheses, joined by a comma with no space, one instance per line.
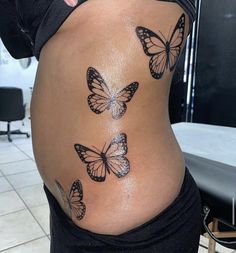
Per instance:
(24,213)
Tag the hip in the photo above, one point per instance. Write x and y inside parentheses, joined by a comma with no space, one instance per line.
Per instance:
(181,217)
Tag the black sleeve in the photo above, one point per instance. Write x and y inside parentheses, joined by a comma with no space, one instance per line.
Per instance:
(14,39)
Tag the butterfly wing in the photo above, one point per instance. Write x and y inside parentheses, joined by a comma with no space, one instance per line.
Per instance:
(64,198)
(127,93)
(95,165)
(158,64)
(100,99)
(118,109)
(124,96)
(176,41)
(98,104)
(75,198)
(119,165)
(115,155)
(155,47)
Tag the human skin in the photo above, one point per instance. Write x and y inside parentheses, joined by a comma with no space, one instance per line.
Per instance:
(102,35)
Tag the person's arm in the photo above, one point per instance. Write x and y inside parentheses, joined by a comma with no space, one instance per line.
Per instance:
(13,38)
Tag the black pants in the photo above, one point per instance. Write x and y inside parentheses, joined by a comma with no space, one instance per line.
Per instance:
(174,230)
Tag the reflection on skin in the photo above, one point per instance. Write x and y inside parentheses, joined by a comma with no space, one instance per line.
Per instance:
(103,98)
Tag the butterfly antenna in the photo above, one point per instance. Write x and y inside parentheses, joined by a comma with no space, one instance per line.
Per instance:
(163,37)
(99,151)
(103,147)
(169,35)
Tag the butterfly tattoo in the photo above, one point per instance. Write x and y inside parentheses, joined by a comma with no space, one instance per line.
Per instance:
(164,52)
(102,98)
(73,202)
(112,159)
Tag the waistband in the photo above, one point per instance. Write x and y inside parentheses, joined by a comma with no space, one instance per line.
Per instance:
(169,221)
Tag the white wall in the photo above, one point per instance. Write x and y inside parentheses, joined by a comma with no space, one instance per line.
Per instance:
(13,74)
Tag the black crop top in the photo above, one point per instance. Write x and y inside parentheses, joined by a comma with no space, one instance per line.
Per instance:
(26,25)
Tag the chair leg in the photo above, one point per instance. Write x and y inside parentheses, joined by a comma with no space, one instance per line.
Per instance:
(9,132)
(19,132)
(214,228)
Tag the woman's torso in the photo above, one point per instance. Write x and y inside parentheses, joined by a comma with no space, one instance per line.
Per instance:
(103,37)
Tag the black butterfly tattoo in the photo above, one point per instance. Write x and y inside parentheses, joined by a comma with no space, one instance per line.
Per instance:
(73,202)
(102,98)
(111,159)
(164,52)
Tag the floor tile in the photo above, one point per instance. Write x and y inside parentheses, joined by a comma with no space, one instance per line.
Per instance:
(24,146)
(202,250)
(18,167)
(16,138)
(205,241)
(4,142)
(4,185)
(17,228)
(30,153)
(8,148)
(33,195)
(37,246)
(25,179)
(222,249)
(11,154)
(14,124)
(21,139)
(10,202)
(41,214)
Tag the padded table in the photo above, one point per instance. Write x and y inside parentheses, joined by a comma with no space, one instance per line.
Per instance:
(210,155)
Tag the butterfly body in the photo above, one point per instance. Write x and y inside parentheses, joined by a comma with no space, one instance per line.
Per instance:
(164,52)
(168,48)
(168,52)
(113,159)
(104,160)
(112,102)
(102,98)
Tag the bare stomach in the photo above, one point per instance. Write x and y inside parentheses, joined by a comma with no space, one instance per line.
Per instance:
(120,167)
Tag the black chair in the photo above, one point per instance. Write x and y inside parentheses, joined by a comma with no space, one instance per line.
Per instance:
(11,109)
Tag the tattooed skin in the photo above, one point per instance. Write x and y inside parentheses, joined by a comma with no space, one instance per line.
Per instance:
(102,98)
(111,159)
(73,201)
(164,52)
